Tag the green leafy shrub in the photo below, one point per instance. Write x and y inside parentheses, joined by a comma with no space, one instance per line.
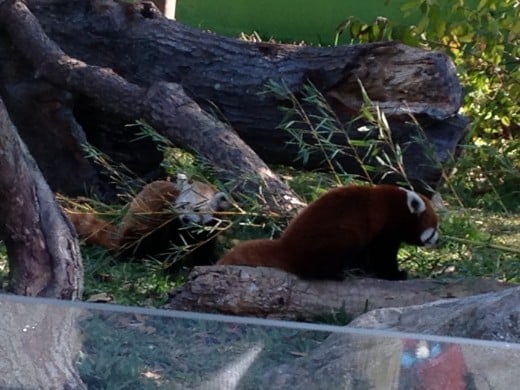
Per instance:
(483,39)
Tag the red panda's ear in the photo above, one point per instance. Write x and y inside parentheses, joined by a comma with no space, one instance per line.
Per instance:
(182,181)
(414,202)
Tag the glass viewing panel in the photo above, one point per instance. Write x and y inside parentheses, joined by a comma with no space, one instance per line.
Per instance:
(115,347)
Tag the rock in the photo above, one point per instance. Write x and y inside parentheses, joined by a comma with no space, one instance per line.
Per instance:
(372,359)
(492,316)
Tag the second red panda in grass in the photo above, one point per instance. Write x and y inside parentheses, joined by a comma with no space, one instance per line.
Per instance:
(158,218)
(356,228)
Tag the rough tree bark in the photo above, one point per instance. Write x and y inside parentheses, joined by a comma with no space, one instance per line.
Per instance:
(271,293)
(220,76)
(44,256)
(40,344)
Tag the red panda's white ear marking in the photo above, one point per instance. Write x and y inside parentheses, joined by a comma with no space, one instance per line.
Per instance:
(414,202)
(182,181)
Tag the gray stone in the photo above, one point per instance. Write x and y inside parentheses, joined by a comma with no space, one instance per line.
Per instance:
(356,361)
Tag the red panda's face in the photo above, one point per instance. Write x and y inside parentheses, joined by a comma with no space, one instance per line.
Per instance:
(426,229)
(197,202)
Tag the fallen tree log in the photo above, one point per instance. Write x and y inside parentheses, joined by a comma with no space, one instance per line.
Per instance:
(197,89)
(271,293)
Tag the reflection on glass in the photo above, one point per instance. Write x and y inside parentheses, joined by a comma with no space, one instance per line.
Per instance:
(109,346)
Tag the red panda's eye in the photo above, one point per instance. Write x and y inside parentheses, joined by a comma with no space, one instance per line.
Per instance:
(185,220)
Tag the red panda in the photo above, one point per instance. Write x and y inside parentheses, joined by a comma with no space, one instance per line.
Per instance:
(157,219)
(352,228)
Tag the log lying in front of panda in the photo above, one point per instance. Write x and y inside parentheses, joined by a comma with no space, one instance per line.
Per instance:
(272,293)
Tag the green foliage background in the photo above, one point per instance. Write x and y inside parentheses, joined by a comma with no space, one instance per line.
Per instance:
(482,38)
(483,41)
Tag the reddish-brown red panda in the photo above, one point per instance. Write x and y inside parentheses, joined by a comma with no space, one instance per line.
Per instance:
(158,218)
(352,228)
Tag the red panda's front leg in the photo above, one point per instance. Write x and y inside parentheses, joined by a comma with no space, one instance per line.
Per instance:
(380,259)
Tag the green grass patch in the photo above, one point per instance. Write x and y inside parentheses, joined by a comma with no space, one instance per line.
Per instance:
(473,243)
(143,352)
(137,282)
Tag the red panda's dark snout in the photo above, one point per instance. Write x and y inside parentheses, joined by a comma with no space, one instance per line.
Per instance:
(430,233)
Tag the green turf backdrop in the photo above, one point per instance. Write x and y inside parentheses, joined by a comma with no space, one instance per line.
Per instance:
(285,20)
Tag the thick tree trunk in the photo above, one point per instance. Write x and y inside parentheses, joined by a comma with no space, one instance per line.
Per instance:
(40,344)
(44,256)
(228,78)
(271,293)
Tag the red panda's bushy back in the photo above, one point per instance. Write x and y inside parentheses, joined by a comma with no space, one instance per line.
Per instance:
(353,226)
